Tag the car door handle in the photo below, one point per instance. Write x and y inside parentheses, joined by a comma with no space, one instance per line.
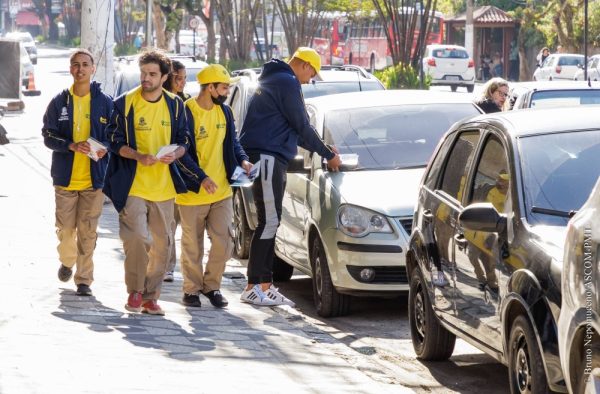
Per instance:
(427,214)
(461,241)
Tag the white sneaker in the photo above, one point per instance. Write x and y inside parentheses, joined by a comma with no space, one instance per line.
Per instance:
(256,296)
(274,294)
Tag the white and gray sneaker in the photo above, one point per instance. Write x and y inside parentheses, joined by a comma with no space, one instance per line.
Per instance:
(256,296)
(279,299)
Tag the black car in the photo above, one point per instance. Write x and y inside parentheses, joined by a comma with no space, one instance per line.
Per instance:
(485,253)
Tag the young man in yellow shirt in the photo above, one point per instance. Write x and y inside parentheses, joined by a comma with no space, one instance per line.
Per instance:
(74,115)
(141,185)
(215,153)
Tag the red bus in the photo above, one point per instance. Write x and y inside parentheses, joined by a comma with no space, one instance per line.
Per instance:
(344,39)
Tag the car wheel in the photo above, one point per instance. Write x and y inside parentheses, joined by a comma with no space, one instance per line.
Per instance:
(525,367)
(328,301)
(431,340)
(470,88)
(453,88)
(242,235)
(282,271)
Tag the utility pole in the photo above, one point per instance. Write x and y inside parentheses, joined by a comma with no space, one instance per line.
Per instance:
(149,23)
(469,29)
(98,36)
(585,41)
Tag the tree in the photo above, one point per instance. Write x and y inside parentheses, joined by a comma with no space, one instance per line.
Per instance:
(400,28)
(237,20)
(205,10)
(173,12)
(300,20)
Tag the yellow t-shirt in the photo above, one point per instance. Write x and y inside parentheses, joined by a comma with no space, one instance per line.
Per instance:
(152,122)
(81,178)
(209,135)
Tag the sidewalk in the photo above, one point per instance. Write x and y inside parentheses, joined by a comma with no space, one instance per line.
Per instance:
(52,340)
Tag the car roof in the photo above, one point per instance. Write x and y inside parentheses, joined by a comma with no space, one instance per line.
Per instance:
(553,85)
(378,98)
(566,54)
(542,121)
(436,46)
(342,73)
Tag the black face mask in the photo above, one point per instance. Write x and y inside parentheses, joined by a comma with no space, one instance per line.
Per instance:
(219,100)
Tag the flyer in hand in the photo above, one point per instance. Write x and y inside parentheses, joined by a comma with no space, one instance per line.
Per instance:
(95,146)
(241,179)
(167,149)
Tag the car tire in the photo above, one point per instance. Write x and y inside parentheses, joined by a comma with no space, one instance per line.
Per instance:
(453,88)
(431,340)
(282,271)
(328,302)
(470,88)
(525,366)
(242,235)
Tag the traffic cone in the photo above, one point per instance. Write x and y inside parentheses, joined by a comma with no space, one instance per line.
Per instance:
(31,91)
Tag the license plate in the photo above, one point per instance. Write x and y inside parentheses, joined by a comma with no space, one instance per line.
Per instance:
(451,78)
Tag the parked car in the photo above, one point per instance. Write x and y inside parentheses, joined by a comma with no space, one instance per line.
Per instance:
(559,66)
(27,73)
(28,41)
(449,65)
(334,79)
(187,42)
(579,321)
(128,74)
(592,69)
(485,254)
(546,94)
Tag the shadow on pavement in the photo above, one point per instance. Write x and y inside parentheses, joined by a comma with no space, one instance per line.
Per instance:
(157,332)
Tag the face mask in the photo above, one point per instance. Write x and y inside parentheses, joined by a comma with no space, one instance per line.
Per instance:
(219,100)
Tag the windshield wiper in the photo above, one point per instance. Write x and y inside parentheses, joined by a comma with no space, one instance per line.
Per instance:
(410,167)
(554,212)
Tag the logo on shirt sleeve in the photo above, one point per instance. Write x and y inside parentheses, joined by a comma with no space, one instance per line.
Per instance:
(103,120)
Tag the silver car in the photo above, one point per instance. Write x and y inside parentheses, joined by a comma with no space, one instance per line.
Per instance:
(349,230)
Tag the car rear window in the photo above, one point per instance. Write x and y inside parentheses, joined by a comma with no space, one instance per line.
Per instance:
(326,88)
(570,61)
(450,53)
(392,137)
(562,98)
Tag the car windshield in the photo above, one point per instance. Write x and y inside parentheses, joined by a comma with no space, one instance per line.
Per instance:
(561,98)
(450,53)
(559,172)
(326,88)
(391,137)
(570,61)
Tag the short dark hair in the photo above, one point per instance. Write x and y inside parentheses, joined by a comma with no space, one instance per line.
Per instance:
(156,57)
(81,51)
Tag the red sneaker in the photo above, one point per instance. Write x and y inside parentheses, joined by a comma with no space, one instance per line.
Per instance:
(151,307)
(134,302)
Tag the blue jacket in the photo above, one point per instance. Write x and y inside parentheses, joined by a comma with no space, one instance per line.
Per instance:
(121,132)
(277,122)
(233,154)
(58,134)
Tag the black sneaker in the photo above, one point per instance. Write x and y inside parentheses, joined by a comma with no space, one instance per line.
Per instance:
(64,273)
(216,298)
(83,290)
(191,300)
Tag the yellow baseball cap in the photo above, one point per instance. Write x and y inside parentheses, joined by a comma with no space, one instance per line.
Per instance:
(310,56)
(214,73)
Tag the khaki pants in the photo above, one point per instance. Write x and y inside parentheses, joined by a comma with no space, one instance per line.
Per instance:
(77,214)
(144,228)
(216,218)
(172,250)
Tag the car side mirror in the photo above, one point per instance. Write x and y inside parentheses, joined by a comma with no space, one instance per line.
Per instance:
(296,165)
(482,217)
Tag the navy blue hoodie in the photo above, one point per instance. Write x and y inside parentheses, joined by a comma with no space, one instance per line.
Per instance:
(233,154)
(58,134)
(121,132)
(277,122)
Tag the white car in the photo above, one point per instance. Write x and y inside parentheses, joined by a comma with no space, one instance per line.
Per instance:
(187,42)
(449,65)
(28,42)
(560,66)
(593,70)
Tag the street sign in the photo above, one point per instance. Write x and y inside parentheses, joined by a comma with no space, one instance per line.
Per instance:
(194,23)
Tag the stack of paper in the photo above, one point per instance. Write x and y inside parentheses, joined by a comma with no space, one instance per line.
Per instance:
(95,146)
(241,179)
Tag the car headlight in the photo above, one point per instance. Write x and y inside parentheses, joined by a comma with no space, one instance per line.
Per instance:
(358,222)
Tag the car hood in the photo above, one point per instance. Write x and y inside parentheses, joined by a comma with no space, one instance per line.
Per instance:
(551,239)
(393,192)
